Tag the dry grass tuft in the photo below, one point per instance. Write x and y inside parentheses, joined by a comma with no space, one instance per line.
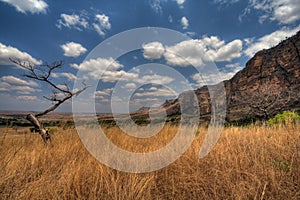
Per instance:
(247,163)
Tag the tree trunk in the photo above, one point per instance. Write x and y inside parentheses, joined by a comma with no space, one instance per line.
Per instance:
(39,128)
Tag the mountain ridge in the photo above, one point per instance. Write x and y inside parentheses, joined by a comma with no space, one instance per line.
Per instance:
(268,85)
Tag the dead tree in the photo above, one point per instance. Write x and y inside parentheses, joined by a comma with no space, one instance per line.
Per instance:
(267,100)
(59,94)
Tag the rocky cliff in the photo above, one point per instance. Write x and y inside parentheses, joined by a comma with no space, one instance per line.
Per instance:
(269,84)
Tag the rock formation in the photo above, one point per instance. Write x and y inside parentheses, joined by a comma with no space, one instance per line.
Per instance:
(269,84)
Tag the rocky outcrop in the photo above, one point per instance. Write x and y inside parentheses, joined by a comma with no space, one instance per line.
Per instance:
(269,84)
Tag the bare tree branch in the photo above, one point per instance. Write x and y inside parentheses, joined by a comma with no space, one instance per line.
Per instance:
(266,98)
(59,102)
(43,73)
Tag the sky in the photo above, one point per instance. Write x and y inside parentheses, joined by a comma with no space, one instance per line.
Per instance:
(227,32)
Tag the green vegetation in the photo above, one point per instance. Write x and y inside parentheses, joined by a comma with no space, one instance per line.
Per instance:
(284,118)
(281,165)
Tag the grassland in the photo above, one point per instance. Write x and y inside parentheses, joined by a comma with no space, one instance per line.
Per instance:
(247,163)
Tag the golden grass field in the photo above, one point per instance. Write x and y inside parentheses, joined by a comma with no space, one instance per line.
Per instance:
(247,163)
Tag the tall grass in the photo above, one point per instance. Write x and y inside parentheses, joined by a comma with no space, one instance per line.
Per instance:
(246,163)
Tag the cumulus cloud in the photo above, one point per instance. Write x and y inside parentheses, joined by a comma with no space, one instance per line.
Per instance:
(157,5)
(103,96)
(105,69)
(7,52)
(269,40)
(11,83)
(67,75)
(99,65)
(153,50)
(180,2)
(209,79)
(184,22)
(227,52)
(130,86)
(106,92)
(159,92)
(196,52)
(102,24)
(27,98)
(17,81)
(185,53)
(32,6)
(72,49)
(72,21)
(155,79)
(6,87)
(283,11)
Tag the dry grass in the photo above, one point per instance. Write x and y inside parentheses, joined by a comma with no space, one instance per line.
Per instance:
(246,163)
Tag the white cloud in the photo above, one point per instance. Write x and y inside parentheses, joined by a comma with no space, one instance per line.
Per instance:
(14,84)
(283,11)
(156,6)
(72,21)
(62,87)
(105,69)
(32,6)
(248,41)
(153,88)
(269,40)
(180,2)
(27,98)
(184,22)
(209,79)
(130,86)
(190,34)
(6,87)
(106,92)
(72,49)
(196,52)
(227,52)
(67,75)
(286,11)
(185,53)
(102,24)
(155,79)
(104,95)
(99,65)
(153,50)
(7,52)
(159,92)
(17,81)
(213,42)
(170,18)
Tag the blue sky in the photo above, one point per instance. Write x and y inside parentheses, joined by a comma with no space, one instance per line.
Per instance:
(228,31)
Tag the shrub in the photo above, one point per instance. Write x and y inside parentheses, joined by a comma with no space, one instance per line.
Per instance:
(284,118)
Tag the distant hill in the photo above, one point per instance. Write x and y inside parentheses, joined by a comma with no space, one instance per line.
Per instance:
(269,84)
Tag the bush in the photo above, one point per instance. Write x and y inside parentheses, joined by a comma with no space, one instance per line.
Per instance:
(284,118)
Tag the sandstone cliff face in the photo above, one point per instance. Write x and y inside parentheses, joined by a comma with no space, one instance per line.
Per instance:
(269,84)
